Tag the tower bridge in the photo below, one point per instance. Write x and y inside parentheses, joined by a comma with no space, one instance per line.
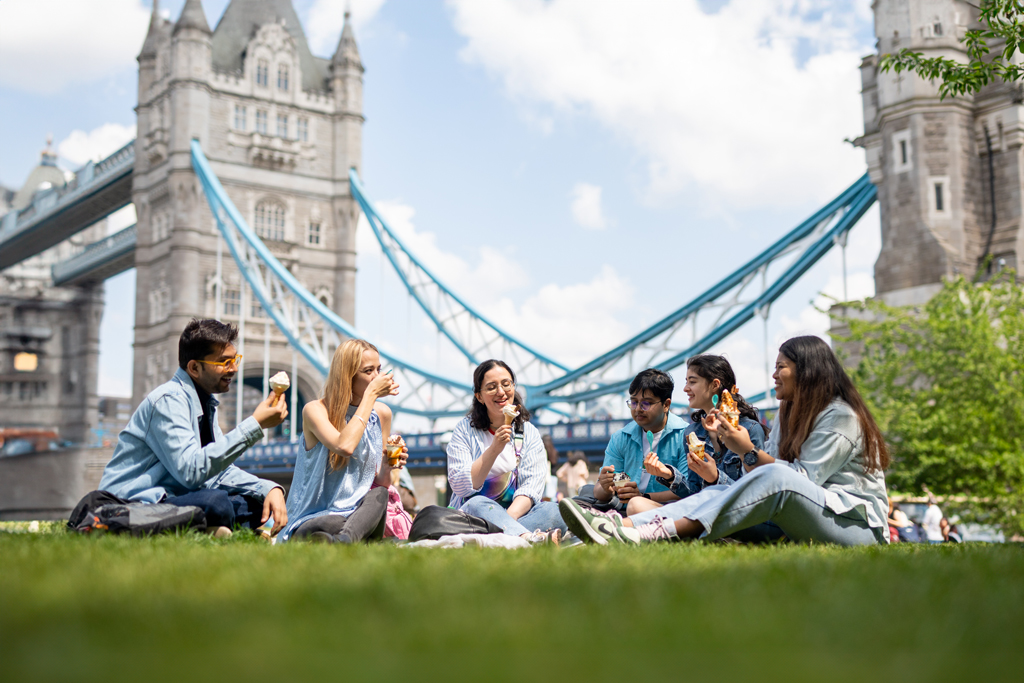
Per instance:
(245,181)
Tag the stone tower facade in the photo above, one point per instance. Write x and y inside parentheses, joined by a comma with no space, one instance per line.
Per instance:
(49,336)
(935,162)
(281,129)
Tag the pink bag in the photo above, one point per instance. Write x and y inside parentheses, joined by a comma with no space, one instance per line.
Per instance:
(397,521)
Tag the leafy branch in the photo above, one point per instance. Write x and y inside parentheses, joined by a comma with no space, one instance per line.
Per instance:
(1002,23)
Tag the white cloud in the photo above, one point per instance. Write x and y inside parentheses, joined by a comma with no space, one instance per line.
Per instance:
(570,323)
(45,46)
(121,219)
(80,147)
(327,17)
(586,206)
(716,103)
(493,271)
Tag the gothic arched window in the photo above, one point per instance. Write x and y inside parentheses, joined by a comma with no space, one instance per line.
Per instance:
(270,220)
(262,73)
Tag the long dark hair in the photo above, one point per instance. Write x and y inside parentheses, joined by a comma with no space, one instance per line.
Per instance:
(710,368)
(820,378)
(478,417)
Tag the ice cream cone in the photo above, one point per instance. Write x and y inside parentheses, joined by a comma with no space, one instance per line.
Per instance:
(511,413)
(279,383)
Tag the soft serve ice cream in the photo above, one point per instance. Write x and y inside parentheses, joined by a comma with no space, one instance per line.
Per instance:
(510,412)
(279,383)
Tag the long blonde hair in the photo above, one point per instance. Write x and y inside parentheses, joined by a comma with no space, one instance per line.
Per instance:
(337,393)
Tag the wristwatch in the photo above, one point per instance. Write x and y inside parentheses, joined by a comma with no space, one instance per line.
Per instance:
(750,459)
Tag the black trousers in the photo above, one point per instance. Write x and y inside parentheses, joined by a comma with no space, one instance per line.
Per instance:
(586,499)
(365,523)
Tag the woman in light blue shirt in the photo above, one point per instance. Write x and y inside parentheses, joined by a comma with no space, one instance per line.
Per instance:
(344,432)
(819,479)
(497,471)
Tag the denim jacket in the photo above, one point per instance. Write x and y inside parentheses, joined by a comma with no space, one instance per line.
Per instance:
(730,465)
(158,455)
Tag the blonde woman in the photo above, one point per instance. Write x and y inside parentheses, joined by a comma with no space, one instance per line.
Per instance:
(344,435)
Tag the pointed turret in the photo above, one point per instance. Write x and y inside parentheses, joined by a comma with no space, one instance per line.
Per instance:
(149,47)
(347,53)
(192,16)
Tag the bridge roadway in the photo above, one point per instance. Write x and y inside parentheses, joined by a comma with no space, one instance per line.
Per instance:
(97,190)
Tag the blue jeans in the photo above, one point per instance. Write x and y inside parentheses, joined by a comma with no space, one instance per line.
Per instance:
(771,493)
(543,516)
(223,509)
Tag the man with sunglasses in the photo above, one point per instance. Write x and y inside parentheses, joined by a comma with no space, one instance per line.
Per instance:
(173,451)
(650,397)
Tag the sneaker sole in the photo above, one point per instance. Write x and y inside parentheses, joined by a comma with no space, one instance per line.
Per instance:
(578,524)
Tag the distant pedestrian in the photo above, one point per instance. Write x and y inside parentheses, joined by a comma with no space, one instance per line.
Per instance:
(574,472)
(932,522)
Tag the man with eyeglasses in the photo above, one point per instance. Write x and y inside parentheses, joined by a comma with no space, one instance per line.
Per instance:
(650,397)
(173,451)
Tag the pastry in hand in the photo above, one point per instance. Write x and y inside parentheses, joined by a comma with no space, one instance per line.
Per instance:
(696,446)
(730,411)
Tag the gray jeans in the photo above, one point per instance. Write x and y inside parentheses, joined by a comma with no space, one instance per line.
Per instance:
(770,493)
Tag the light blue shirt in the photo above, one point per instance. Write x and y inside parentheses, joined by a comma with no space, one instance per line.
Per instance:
(627,448)
(158,455)
(318,490)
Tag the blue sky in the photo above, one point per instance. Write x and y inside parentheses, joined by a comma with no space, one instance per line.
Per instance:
(575,168)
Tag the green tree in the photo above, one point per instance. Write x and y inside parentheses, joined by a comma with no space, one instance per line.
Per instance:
(1001,26)
(946,384)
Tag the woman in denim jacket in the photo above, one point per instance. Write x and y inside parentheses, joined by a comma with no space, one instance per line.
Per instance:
(821,477)
(707,376)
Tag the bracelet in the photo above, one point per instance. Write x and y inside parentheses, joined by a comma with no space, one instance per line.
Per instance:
(360,419)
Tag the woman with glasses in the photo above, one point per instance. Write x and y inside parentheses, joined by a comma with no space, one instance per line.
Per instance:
(498,471)
(820,477)
(339,490)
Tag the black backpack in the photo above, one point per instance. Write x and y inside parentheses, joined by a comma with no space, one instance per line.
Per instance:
(434,521)
(103,511)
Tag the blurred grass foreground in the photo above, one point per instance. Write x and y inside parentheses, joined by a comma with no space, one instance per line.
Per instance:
(193,608)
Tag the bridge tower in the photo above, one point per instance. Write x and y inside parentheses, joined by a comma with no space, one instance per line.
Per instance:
(281,128)
(49,335)
(935,162)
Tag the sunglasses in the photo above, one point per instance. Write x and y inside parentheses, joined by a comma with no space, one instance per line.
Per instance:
(223,363)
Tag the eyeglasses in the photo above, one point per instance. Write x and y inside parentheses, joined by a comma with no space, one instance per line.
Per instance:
(224,363)
(493,388)
(642,405)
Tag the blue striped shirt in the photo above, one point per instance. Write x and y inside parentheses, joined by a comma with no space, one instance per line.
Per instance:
(468,444)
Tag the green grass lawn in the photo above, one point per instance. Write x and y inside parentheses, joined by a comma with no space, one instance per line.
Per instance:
(192,608)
